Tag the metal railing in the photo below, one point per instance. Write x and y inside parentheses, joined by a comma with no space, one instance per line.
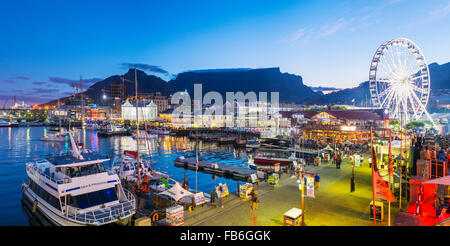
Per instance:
(102,215)
(32,167)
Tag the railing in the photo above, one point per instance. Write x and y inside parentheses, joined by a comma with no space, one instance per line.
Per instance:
(102,215)
(32,167)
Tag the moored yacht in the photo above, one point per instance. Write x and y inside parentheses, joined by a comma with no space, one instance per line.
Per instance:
(143,135)
(127,169)
(76,189)
(4,123)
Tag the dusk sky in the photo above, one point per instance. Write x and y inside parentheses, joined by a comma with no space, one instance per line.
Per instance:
(45,46)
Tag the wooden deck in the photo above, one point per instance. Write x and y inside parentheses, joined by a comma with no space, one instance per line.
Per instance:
(228,171)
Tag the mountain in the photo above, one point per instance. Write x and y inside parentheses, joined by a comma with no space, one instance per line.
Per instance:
(440,76)
(359,94)
(290,86)
(146,84)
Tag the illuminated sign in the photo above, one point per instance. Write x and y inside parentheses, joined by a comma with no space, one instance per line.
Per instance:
(348,128)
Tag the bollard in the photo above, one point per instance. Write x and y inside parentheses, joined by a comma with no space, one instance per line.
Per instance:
(213,196)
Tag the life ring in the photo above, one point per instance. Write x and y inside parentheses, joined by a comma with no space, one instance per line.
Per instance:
(190,208)
(155,217)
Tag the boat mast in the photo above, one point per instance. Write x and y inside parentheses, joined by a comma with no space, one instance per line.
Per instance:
(137,125)
(82,102)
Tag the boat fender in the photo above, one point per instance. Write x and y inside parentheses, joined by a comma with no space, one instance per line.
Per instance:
(35,203)
(155,217)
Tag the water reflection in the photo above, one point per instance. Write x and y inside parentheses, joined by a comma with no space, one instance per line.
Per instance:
(23,144)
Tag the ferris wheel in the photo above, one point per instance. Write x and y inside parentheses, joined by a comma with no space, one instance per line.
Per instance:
(399,80)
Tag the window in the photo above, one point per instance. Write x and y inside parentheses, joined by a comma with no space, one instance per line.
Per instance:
(94,198)
(49,198)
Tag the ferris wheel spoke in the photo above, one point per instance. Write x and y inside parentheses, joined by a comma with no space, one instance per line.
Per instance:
(387,98)
(415,88)
(390,73)
(413,106)
(392,62)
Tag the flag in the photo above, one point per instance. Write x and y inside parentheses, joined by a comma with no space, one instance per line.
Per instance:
(381,188)
(132,154)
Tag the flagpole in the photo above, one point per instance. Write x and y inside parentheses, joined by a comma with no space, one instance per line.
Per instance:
(401,158)
(137,127)
(373,187)
(196,163)
(389,173)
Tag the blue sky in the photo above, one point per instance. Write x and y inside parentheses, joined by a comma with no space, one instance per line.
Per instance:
(47,45)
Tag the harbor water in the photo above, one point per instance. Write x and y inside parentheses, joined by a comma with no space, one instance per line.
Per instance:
(19,145)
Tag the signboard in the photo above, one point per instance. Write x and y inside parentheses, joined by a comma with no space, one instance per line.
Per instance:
(309,186)
(199,198)
(357,160)
(253,178)
(224,192)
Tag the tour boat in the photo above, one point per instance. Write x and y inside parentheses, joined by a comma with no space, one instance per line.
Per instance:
(76,189)
(273,157)
(112,130)
(253,144)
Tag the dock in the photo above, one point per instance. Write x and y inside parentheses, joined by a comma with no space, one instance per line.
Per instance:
(223,170)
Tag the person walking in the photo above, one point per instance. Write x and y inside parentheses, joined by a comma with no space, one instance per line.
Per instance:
(254,200)
(220,196)
(338,162)
(316,181)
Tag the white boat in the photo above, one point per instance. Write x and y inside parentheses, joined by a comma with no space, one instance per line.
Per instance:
(142,134)
(159,131)
(253,144)
(76,189)
(4,123)
(57,137)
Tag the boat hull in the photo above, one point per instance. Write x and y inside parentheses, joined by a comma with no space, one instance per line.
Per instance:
(53,217)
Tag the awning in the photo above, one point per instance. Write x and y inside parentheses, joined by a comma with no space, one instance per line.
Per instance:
(177,192)
(441,181)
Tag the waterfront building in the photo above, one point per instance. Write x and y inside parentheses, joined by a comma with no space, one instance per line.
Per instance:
(337,126)
(117,90)
(162,102)
(146,111)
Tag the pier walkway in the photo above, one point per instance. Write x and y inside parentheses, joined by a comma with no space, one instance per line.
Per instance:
(333,205)
(234,172)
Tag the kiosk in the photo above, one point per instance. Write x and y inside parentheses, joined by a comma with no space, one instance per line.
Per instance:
(293,217)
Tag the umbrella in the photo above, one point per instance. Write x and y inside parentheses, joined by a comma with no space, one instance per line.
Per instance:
(176,192)
(347,142)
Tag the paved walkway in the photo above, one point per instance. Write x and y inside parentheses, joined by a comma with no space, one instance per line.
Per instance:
(333,205)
